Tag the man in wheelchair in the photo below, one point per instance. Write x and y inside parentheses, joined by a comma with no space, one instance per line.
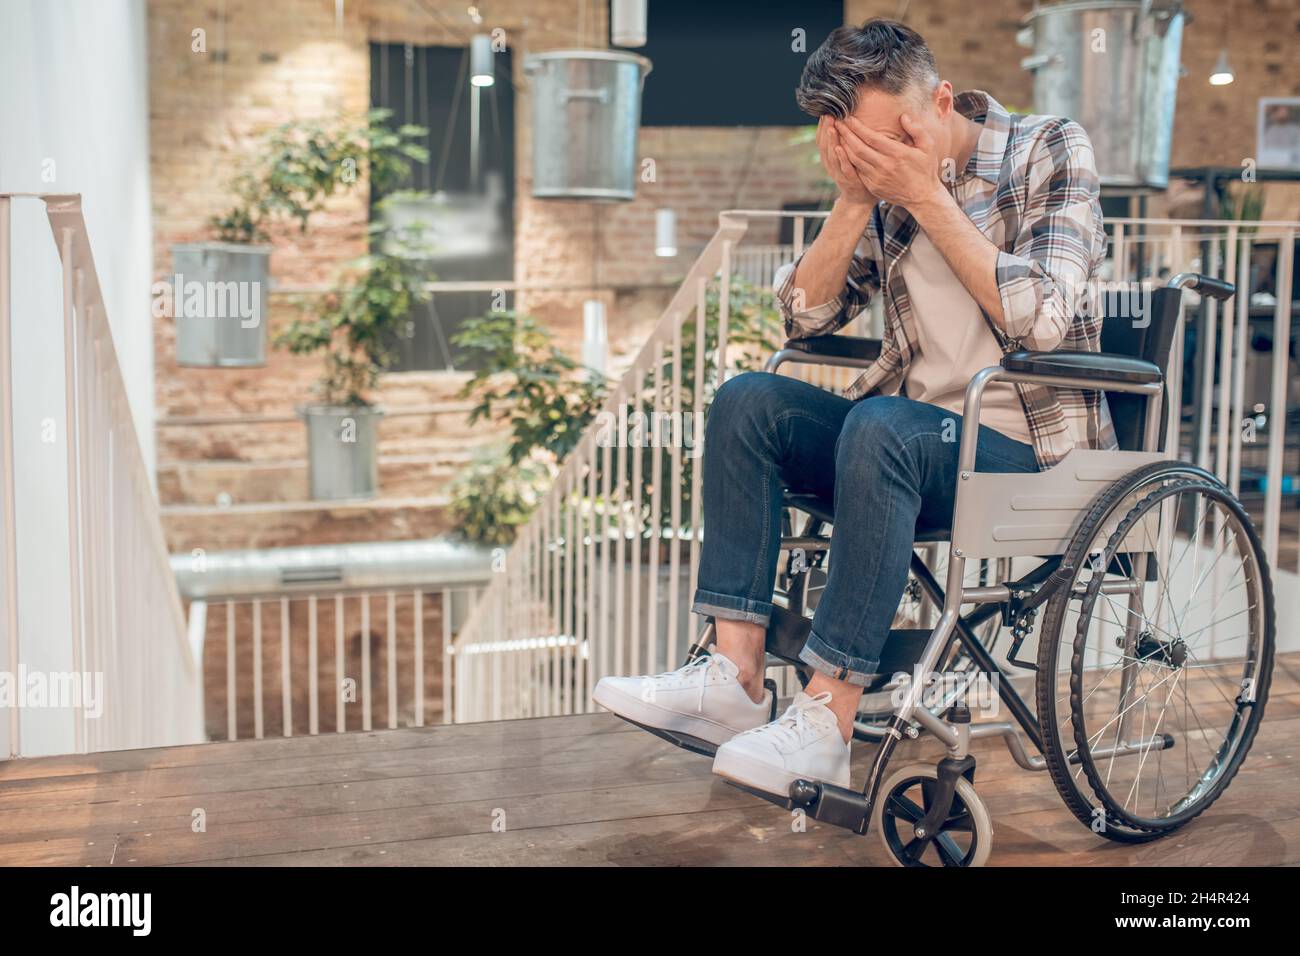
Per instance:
(980,229)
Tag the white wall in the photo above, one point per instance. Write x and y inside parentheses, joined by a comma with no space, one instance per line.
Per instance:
(74,106)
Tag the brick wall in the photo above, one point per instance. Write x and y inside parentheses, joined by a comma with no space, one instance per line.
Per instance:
(975,45)
(267,63)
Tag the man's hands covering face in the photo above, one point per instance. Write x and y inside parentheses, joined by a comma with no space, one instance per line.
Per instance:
(836,162)
(886,168)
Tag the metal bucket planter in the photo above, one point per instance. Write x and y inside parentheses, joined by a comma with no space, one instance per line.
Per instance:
(1112,66)
(342,448)
(219,299)
(586,113)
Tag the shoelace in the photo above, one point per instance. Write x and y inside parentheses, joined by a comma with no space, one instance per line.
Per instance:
(697,670)
(799,718)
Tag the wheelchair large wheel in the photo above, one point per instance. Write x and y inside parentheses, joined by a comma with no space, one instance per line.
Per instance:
(1154,658)
(963,839)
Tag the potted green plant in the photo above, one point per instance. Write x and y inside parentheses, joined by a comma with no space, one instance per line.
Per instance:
(219,287)
(494,497)
(354,326)
(546,400)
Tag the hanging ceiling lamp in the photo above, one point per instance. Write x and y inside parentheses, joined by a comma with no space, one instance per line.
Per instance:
(627,21)
(480,60)
(595,338)
(1222,73)
(665,233)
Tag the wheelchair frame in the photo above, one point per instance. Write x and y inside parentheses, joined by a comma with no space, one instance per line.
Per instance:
(852,809)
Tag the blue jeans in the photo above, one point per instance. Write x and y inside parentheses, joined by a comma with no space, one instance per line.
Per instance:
(887,463)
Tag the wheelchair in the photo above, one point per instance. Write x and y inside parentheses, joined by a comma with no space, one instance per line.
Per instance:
(1155,644)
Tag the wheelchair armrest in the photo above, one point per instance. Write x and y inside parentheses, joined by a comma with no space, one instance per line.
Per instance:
(1103,367)
(837,346)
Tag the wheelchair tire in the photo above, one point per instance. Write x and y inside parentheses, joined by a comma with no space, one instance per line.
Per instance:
(1099,773)
(965,839)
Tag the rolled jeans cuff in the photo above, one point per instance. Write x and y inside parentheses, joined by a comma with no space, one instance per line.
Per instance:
(854,670)
(728,608)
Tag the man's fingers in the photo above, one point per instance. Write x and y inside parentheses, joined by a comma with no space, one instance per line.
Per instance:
(859,147)
(860,154)
(914,129)
(826,148)
(877,141)
(853,167)
(843,169)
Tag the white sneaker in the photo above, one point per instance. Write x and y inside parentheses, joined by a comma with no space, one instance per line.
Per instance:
(803,743)
(704,699)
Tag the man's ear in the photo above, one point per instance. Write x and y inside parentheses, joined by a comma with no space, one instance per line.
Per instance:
(943,99)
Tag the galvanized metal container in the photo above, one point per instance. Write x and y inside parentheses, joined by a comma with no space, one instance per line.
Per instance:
(342,448)
(220,303)
(1113,67)
(586,112)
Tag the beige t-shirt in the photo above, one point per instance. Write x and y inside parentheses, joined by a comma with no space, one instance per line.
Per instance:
(954,343)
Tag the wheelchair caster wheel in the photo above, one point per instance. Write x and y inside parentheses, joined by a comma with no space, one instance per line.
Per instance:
(963,839)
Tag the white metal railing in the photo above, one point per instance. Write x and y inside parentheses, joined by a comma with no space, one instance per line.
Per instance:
(328,638)
(328,660)
(600,579)
(127,626)
(757,264)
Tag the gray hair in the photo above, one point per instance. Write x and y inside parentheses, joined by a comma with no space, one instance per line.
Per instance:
(879,55)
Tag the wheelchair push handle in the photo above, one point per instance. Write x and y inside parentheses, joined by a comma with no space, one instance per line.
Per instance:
(1219,289)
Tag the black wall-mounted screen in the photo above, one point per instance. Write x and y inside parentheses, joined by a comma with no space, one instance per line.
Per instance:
(730,62)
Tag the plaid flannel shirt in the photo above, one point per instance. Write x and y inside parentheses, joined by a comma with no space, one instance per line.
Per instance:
(1031,187)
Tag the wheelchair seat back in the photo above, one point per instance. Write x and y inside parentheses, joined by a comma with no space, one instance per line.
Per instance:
(1149,336)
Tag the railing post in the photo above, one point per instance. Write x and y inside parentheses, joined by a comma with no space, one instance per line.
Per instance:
(9,516)
(724,309)
(1277,399)
(71,443)
(313,668)
(232,724)
(1242,336)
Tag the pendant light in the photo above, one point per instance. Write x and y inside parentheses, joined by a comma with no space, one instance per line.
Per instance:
(480,60)
(665,233)
(627,19)
(595,339)
(1222,73)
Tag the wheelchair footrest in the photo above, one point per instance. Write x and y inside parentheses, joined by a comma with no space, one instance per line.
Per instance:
(685,741)
(828,803)
(824,802)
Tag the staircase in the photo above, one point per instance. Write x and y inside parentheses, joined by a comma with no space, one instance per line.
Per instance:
(125,635)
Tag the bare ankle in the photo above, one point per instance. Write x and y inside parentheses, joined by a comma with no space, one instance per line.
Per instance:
(753,684)
(843,703)
(741,642)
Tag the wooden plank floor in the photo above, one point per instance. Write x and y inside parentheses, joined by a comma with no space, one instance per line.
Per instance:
(568,791)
